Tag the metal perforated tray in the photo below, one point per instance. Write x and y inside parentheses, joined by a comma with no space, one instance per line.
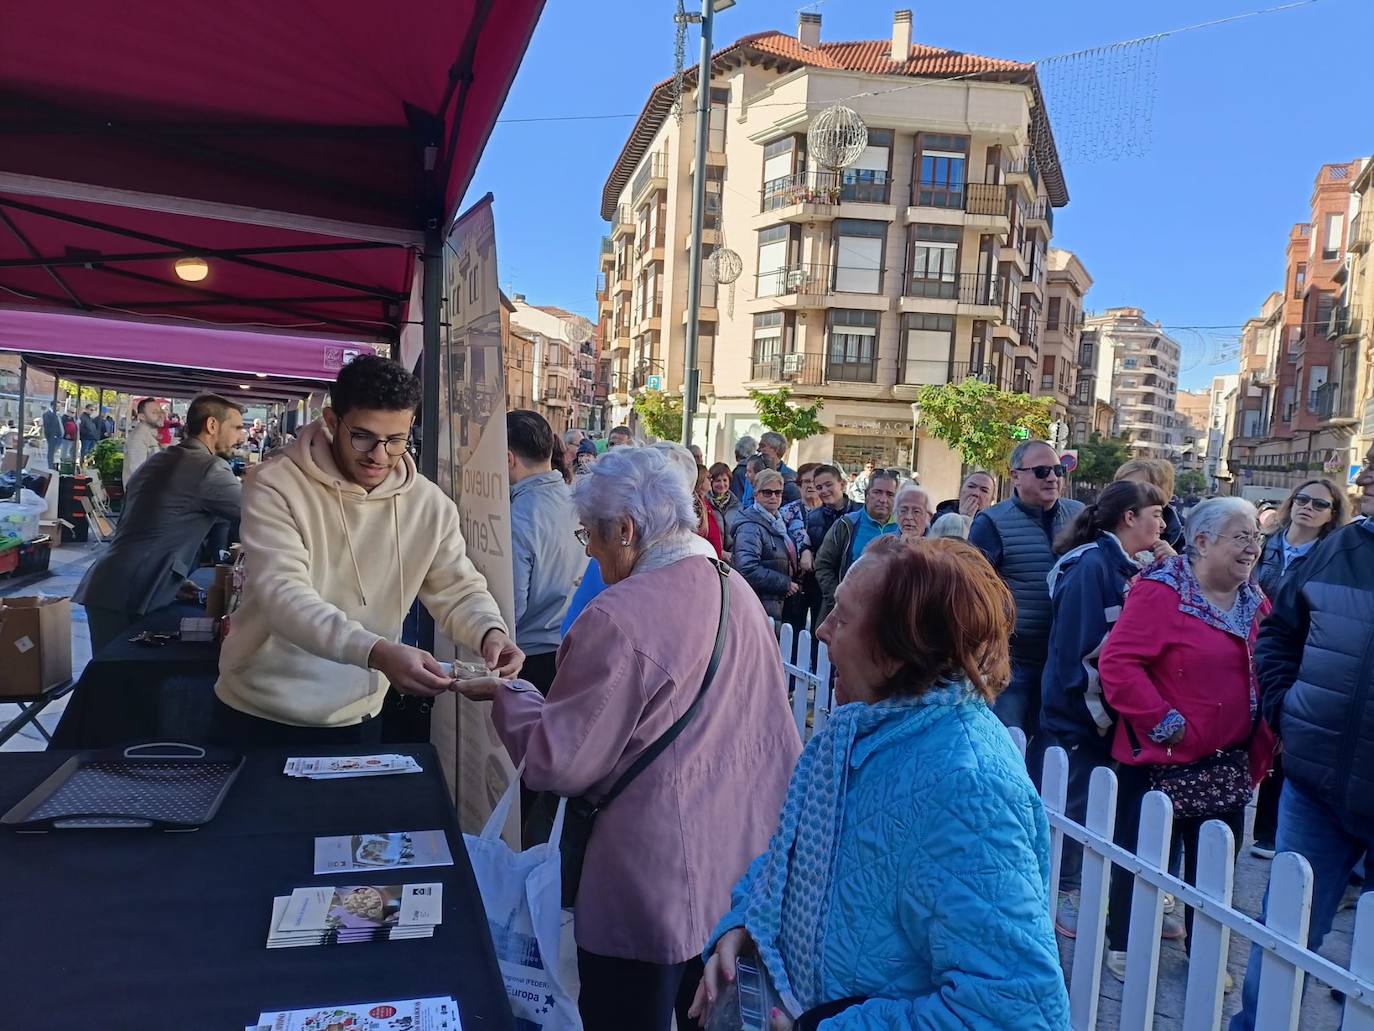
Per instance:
(161,786)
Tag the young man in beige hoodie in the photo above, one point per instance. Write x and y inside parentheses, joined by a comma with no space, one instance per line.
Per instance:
(341,534)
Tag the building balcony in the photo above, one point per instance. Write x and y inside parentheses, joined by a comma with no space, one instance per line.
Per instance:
(970,293)
(1040,215)
(1010,254)
(1361,231)
(801,197)
(913,373)
(808,371)
(623,224)
(1346,324)
(653,176)
(1021,170)
(818,286)
(647,317)
(649,248)
(607,248)
(624,284)
(710,237)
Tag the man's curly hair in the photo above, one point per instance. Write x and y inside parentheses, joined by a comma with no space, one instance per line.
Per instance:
(376,384)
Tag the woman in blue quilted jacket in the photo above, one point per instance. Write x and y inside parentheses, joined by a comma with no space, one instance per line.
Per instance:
(907,884)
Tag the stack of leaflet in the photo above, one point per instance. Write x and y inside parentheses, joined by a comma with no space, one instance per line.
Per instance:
(436,1014)
(332,767)
(355,913)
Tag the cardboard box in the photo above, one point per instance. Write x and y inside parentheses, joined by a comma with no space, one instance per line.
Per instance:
(35,645)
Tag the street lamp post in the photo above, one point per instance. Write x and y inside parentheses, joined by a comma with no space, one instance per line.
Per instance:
(691,374)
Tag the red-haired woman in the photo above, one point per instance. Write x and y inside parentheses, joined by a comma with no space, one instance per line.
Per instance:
(907,883)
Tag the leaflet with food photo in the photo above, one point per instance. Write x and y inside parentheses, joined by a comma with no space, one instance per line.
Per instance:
(434,1014)
(349,852)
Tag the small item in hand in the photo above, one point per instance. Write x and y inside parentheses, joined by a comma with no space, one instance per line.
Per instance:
(747,1001)
(150,639)
(460,670)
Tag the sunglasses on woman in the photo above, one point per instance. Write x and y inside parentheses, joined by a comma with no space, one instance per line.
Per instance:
(1300,500)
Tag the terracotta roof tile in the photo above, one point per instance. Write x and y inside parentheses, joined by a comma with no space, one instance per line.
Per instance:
(872,57)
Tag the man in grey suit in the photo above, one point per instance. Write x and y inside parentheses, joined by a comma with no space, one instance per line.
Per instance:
(170,503)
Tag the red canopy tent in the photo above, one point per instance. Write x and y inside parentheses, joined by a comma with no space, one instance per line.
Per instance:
(309,152)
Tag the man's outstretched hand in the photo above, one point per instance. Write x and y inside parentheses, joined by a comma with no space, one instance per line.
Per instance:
(501,655)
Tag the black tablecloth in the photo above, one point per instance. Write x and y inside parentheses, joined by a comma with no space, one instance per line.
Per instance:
(152,930)
(130,693)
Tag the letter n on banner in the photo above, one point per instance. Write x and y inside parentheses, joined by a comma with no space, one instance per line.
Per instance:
(472,470)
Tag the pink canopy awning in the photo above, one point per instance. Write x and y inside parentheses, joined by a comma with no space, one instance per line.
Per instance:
(175,358)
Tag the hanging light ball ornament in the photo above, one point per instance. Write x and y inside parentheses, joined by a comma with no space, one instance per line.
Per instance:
(724,265)
(837,137)
(577,330)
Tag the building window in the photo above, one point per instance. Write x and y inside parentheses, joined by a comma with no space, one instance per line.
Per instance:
(715,190)
(941,171)
(1052,314)
(852,354)
(1322,322)
(772,338)
(1047,373)
(1085,389)
(1300,279)
(927,350)
(1130,363)
(784,169)
(859,255)
(1335,230)
(933,261)
(1316,379)
(715,127)
(775,251)
(869,179)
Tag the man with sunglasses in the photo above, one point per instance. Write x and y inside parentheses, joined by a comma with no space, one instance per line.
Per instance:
(1017,537)
(341,534)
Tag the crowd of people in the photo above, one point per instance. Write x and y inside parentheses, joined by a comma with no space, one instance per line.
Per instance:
(895,872)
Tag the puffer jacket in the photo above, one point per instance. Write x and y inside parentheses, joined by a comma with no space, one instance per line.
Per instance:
(1315,660)
(760,555)
(939,903)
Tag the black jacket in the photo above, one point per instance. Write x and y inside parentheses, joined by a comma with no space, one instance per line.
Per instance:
(820,520)
(1173,529)
(90,428)
(1315,662)
(738,479)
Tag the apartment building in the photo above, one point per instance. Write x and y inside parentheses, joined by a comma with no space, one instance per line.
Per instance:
(542,366)
(1353,329)
(1299,404)
(1194,408)
(1066,284)
(1091,411)
(1144,381)
(1221,399)
(926,261)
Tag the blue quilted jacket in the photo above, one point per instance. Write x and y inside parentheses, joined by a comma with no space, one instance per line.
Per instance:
(939,900)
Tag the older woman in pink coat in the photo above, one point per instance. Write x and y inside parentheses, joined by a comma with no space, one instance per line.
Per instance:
(664,855)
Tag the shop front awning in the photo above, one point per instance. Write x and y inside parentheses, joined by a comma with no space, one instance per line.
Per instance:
(300,149)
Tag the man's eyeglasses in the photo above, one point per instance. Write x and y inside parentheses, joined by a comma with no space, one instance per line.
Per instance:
(1043,471)
(1305,499)
(1246,540)
(583,535)
(365,443)
(770,492)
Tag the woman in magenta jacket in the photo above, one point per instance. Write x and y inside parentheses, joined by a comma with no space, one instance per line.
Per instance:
(1178,671)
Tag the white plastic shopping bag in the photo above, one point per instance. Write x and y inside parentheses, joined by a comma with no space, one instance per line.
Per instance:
(521,892)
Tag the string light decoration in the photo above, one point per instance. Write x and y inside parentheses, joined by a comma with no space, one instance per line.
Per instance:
(681,20)
(1103,100)
(837,137)
(725,266)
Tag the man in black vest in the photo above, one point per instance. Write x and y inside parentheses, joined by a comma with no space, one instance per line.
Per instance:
(1017,536)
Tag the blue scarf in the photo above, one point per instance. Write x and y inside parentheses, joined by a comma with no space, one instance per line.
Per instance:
(790,897)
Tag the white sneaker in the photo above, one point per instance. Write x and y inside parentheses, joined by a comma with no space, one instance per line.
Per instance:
(1116,963)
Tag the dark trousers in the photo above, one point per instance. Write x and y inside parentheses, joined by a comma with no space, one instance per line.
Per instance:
(54,446)
(1267,804)
(1086,753)
(107,626)
(539,671)
(1134,782)
(230,728)
(618,994)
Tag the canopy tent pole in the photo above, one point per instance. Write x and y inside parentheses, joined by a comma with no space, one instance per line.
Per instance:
(19,455)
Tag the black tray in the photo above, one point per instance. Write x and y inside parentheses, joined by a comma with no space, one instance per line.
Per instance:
(161,786)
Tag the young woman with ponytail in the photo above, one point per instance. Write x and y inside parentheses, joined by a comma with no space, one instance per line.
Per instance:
(1087,589)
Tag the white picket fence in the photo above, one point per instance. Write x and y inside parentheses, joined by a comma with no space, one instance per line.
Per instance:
(1283,938)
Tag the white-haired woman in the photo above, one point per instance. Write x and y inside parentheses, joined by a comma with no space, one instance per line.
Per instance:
(951,524)
(665,853)
(913,509)
(1178,670)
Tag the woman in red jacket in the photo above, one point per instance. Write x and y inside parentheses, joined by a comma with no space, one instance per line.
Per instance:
(1177,670)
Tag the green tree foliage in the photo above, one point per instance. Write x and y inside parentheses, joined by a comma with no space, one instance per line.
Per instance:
(661,414)
(783,416)
(980,422)
(1190,482)
(1098,460)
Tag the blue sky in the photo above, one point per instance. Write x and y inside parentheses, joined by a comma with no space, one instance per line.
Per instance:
(1192,230)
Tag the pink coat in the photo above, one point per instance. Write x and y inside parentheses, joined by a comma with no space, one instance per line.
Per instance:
(1158,658)
(665,854)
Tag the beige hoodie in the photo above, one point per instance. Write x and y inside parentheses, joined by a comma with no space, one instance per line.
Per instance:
(332,570)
